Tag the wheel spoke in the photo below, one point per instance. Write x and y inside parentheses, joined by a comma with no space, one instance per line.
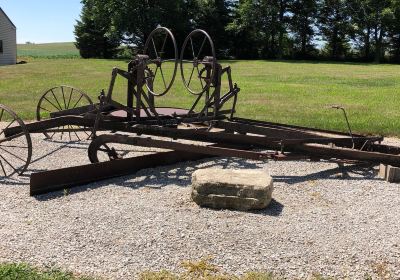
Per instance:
(155,49)
(191,43)
(56,100)
(201,81)
(58,109)
(80,98)
(8,152)
(65,103)
(202,45)
(1,115)
(45,109)
(163,46)
(162,75)
(69,99)
(191,76)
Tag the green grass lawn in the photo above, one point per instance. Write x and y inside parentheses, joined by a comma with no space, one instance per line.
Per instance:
(49,50)
(289,92)
(26,272)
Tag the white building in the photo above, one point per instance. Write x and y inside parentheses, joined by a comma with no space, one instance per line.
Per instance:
(8,40)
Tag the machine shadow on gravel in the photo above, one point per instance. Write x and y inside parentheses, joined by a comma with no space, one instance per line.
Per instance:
(157,178)
(364,171)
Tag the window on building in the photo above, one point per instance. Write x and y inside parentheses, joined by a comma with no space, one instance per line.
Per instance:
(1,46)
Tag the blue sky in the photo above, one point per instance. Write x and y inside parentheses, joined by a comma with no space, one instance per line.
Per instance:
(43,21)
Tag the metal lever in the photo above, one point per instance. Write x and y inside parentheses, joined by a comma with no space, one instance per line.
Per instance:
(347,121)
(102,98)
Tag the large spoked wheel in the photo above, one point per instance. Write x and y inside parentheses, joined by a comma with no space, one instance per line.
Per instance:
(163,59)
(16,149)
(58,99)
(198,62)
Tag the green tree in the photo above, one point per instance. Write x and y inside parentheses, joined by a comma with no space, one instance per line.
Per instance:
(394,32)
(244,31)
(383,17)
(96,36)
(362,21)
(261,28)
(213,16)
(335,27)
(302,25)
(135,19)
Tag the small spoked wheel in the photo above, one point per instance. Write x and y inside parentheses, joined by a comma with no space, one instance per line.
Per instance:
(15,144)
(198,62)
(111,147)
(103,149)
(59,99)
(162,63)
(109,152)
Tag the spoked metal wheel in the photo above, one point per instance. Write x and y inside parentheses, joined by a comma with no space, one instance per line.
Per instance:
(107,152)
(58,99)
(108,147)
(198,62)
(162,65)
(15,150)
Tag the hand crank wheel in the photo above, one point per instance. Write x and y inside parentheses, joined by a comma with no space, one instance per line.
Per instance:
(198,62)
(15,150)
(160,45)
(58,99)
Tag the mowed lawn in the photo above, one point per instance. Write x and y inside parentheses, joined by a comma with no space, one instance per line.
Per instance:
(48,50)
(298,93)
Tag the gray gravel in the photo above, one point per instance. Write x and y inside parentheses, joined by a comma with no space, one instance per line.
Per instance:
(342,223)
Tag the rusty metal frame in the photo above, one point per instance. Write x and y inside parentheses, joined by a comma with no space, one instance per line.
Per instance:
(208,122)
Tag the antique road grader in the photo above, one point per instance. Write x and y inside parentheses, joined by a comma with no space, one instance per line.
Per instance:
(210,124)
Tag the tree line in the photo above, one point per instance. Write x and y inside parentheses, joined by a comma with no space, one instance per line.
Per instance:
(352,30)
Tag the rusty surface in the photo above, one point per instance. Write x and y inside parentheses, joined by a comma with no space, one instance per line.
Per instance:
(162,111)
(65,178)
(210,119)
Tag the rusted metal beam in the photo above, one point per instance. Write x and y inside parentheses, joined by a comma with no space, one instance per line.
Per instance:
(327,152)
(65,178)
(171,145)
(290,127)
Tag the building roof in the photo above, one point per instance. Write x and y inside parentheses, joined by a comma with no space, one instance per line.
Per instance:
(1,11)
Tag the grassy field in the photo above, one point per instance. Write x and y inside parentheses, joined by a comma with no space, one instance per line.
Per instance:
(298,93)
(50,50)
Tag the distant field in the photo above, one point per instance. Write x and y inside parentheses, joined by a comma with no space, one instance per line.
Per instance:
(290,92)
(50,50)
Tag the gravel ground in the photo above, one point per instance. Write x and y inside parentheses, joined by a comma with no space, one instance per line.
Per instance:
(336,222)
